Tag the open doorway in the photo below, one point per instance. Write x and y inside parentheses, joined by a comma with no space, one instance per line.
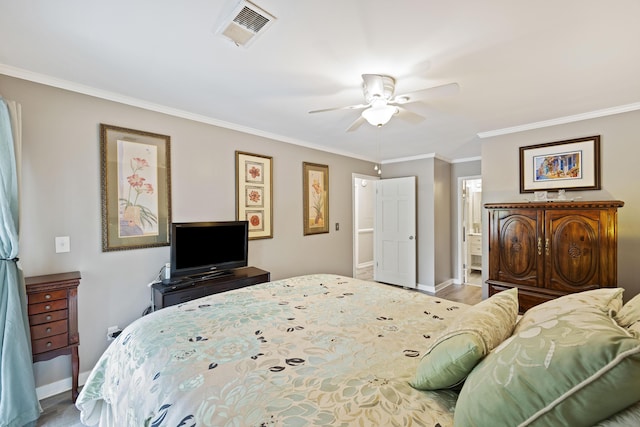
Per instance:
(364,199)
(470,230)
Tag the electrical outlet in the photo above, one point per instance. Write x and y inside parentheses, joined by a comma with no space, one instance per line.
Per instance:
(113,332)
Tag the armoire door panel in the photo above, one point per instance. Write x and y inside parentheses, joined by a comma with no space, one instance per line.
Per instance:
(576,244)
(518,234)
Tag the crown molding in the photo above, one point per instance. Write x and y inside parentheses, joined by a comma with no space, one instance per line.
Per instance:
(135,102)
(562,120)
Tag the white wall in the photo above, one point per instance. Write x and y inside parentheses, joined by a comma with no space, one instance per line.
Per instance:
(61,197)
(620,151)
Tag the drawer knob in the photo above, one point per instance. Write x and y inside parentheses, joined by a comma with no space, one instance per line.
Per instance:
(48,317)
(47,307)
(48,330)
(47,296)
(49,344)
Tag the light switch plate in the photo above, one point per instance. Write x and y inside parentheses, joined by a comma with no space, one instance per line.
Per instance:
(63,244)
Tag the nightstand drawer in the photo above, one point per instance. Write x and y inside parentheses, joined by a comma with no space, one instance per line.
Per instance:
(51,343)
(37,319)
(48,329)
(45,307)
(47,296)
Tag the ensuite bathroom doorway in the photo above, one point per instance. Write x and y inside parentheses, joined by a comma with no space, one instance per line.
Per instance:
(471,230)
(364,204)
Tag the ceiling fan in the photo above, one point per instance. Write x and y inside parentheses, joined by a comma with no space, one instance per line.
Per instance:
(381,104)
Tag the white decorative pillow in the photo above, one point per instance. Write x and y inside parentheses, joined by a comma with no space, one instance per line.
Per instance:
(629,313)
(470,337)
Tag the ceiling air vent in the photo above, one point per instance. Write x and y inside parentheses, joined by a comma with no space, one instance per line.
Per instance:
(245,23)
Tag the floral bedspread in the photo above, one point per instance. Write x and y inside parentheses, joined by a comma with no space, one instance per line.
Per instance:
(310,350)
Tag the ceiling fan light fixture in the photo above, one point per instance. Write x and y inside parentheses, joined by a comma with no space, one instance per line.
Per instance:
(379,115)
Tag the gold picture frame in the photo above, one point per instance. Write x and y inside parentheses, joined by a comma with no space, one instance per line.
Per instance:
(254,190)
(315,198)
(568,165)
(136,188)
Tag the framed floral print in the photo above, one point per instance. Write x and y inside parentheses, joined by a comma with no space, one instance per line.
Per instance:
(315,198)
(254,186)
(136,188)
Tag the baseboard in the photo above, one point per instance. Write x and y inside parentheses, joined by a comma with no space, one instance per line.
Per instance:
(430,289)
(445,284)
(433,289)
(365,264)
(61,386)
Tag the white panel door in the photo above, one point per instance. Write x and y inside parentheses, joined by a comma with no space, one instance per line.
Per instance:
(395,232)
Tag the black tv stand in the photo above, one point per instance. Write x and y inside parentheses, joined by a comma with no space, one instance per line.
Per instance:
(188,288)
(213,275)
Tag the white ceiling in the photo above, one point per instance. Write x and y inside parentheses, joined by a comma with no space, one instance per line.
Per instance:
(517,63)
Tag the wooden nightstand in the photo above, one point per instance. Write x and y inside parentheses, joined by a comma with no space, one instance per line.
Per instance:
(53,318)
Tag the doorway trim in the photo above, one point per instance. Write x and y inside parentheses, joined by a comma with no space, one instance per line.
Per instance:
(460,239)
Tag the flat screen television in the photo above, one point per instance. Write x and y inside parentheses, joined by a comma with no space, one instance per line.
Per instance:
(202,248)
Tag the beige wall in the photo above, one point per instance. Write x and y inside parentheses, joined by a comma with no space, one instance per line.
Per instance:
(443,220)
(620,151)
(61,197)
(433,216)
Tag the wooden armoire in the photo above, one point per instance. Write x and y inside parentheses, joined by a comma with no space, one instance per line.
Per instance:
(549,249)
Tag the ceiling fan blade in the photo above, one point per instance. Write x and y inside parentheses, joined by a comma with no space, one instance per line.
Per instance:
(409,116)
(431,92)
(356,124)
(349,107)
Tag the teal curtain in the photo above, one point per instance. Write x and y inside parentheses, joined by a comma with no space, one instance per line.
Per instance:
(19,404)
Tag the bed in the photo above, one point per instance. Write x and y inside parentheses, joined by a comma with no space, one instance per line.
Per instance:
(319,349)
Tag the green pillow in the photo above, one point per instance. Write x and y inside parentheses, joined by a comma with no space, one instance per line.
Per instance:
(576,368)
(470,337)
(629,313)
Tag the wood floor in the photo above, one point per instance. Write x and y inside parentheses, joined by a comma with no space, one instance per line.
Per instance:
(59,411)
(468,294)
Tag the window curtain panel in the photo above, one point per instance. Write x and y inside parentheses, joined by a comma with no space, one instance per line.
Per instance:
(19,404)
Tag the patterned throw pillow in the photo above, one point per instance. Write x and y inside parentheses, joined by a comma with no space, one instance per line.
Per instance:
(607,300)
(574,366)
(466,341)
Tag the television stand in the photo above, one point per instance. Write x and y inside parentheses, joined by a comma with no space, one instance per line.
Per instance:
(190,288)
(213,275)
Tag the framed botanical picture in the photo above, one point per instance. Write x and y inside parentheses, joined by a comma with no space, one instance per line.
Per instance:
(136,188)
(254,186)
(563,165)
(315,198)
